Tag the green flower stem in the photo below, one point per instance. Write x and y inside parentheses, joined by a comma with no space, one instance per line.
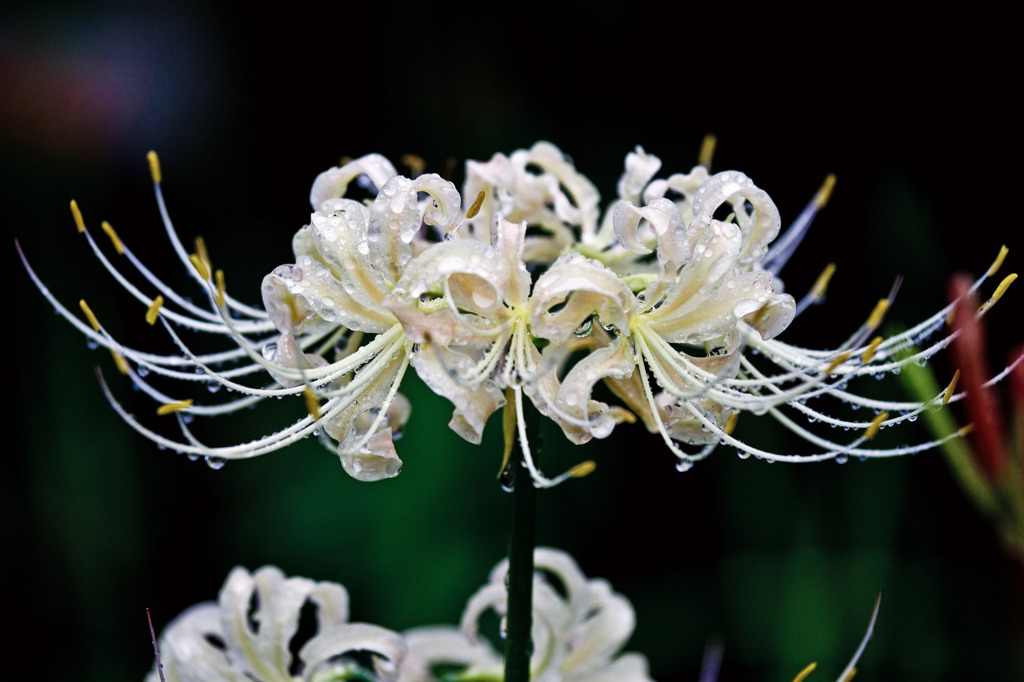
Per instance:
(518,642)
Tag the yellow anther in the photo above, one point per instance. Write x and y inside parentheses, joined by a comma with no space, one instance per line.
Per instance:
(875,425)
(621,415)
(951,388)
(825,191)
(869,353)
(839,359)
(415,163)
(821,284)
(201,251)
(200,265)
(998,294)
(218,277)
(122,366)
(998,262)
(171,408)
(154,166)
(114,239)
(730,423)
(881,308)
(477,203)
(88,315)
(582,469)
(849,676)
(312,403)
(79,223)
(707,150)
(802,675)
(154,310)
(964,430)
(508,429)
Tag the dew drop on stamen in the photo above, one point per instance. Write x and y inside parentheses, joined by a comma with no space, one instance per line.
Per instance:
(215,463)
(841,459)
(507,478)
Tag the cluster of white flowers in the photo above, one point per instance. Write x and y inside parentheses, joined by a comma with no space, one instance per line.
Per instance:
(254,634)
(670,298)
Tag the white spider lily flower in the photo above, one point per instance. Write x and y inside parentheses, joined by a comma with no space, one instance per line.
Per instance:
(558,199)
(542,187)
(468,306)
(464,301)
(249,634)
(579,629)
(325,305)
(577,305)
(346,261)
(707,282)
(701,316)
(713,306)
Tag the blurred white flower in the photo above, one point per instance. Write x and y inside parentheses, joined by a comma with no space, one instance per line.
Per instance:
(269,628)
(579,629)
(254,634)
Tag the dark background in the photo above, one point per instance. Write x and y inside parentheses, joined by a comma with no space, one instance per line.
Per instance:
(781,563)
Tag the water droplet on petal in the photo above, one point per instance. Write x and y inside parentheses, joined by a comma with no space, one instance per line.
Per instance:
(215,463)
(507,479)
